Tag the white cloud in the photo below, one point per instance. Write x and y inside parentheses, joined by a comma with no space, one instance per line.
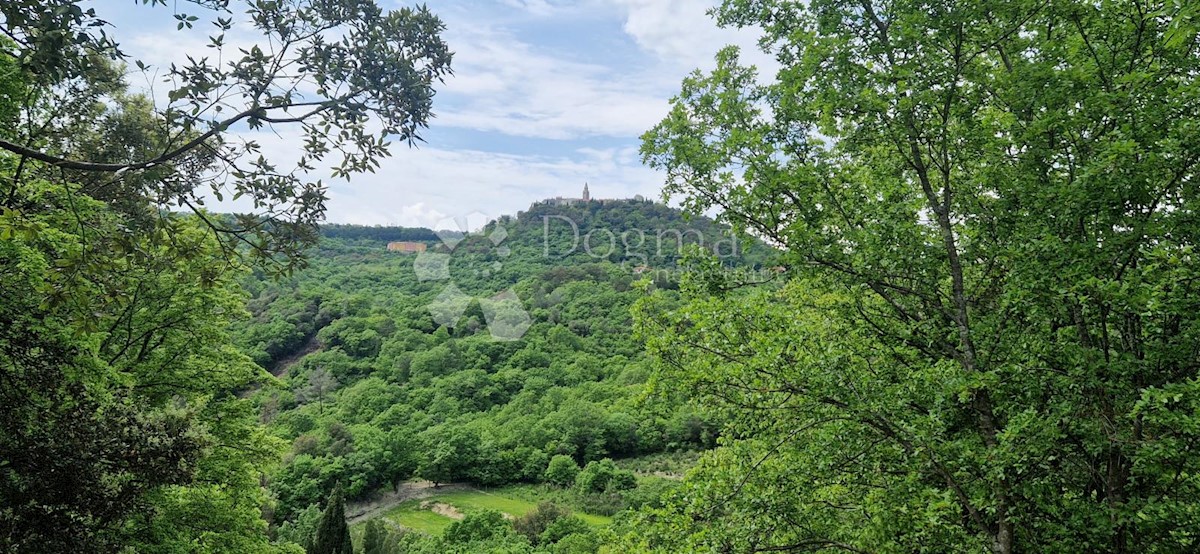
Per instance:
(511,85)
(510,80)
(503,84)
(422,187)
(535,7)
(418,215)
(681,33)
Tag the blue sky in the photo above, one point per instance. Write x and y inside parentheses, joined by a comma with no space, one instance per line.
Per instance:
(546,95)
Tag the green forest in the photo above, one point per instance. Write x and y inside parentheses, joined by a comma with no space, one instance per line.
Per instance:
(927,283)
(372,392)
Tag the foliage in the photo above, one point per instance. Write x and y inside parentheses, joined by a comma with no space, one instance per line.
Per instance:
(604,476)
(579,543)
(562,528)
(377,539)
(477,527)
(124,428)
(301,529)
(534,523)
(451,455)
(324,68)
(562,470)
(379,233)
(333,535)
(988,337)
(449,404)
(118,386)
(666,464)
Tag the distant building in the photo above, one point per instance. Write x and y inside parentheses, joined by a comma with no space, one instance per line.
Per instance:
(560,201)
(406,247)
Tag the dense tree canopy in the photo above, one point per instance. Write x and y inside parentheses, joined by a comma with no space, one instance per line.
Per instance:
(118,384)
(375,393)
(123,428)
(451,405)
(989,341)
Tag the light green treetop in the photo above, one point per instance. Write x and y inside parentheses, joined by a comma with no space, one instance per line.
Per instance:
(990,207)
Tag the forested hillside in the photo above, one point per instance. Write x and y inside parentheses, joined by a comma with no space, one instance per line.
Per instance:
(374,391)
(948,299)
(121,424)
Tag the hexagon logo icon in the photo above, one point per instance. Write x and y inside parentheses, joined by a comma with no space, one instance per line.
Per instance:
(507,319)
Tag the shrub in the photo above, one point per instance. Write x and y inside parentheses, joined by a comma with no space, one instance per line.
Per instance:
(562,527)
(534,523)
(562,470)
(479,526)
(602,476)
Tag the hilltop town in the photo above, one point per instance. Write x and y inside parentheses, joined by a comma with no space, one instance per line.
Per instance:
(416,247)
(586,197)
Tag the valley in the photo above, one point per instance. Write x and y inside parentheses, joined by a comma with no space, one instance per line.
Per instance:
(376,396)
(603,277)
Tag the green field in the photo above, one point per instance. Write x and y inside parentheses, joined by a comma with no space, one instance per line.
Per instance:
(467,501)
(410,515)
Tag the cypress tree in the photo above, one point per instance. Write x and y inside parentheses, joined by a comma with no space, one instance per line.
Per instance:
(375,538)
(333,535)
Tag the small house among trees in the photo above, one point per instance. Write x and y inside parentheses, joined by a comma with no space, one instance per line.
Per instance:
(406,247)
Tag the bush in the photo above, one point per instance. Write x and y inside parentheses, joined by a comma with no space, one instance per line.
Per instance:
(479,526)
(535,465)
(649,493)
(562,527)
(602,476)
(600,503)
(562,470)
(536,522)
(578,543)
(301,529)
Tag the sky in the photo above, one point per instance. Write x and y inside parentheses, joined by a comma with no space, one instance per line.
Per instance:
(546,95)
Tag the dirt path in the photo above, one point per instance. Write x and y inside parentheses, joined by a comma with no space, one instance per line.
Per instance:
(357,512)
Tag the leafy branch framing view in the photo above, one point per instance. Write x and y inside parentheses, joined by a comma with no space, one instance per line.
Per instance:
(348,74)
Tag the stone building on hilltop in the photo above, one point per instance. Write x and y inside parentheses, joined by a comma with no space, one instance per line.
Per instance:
(560,201)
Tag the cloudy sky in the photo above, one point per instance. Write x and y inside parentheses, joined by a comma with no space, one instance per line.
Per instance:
(547,94)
